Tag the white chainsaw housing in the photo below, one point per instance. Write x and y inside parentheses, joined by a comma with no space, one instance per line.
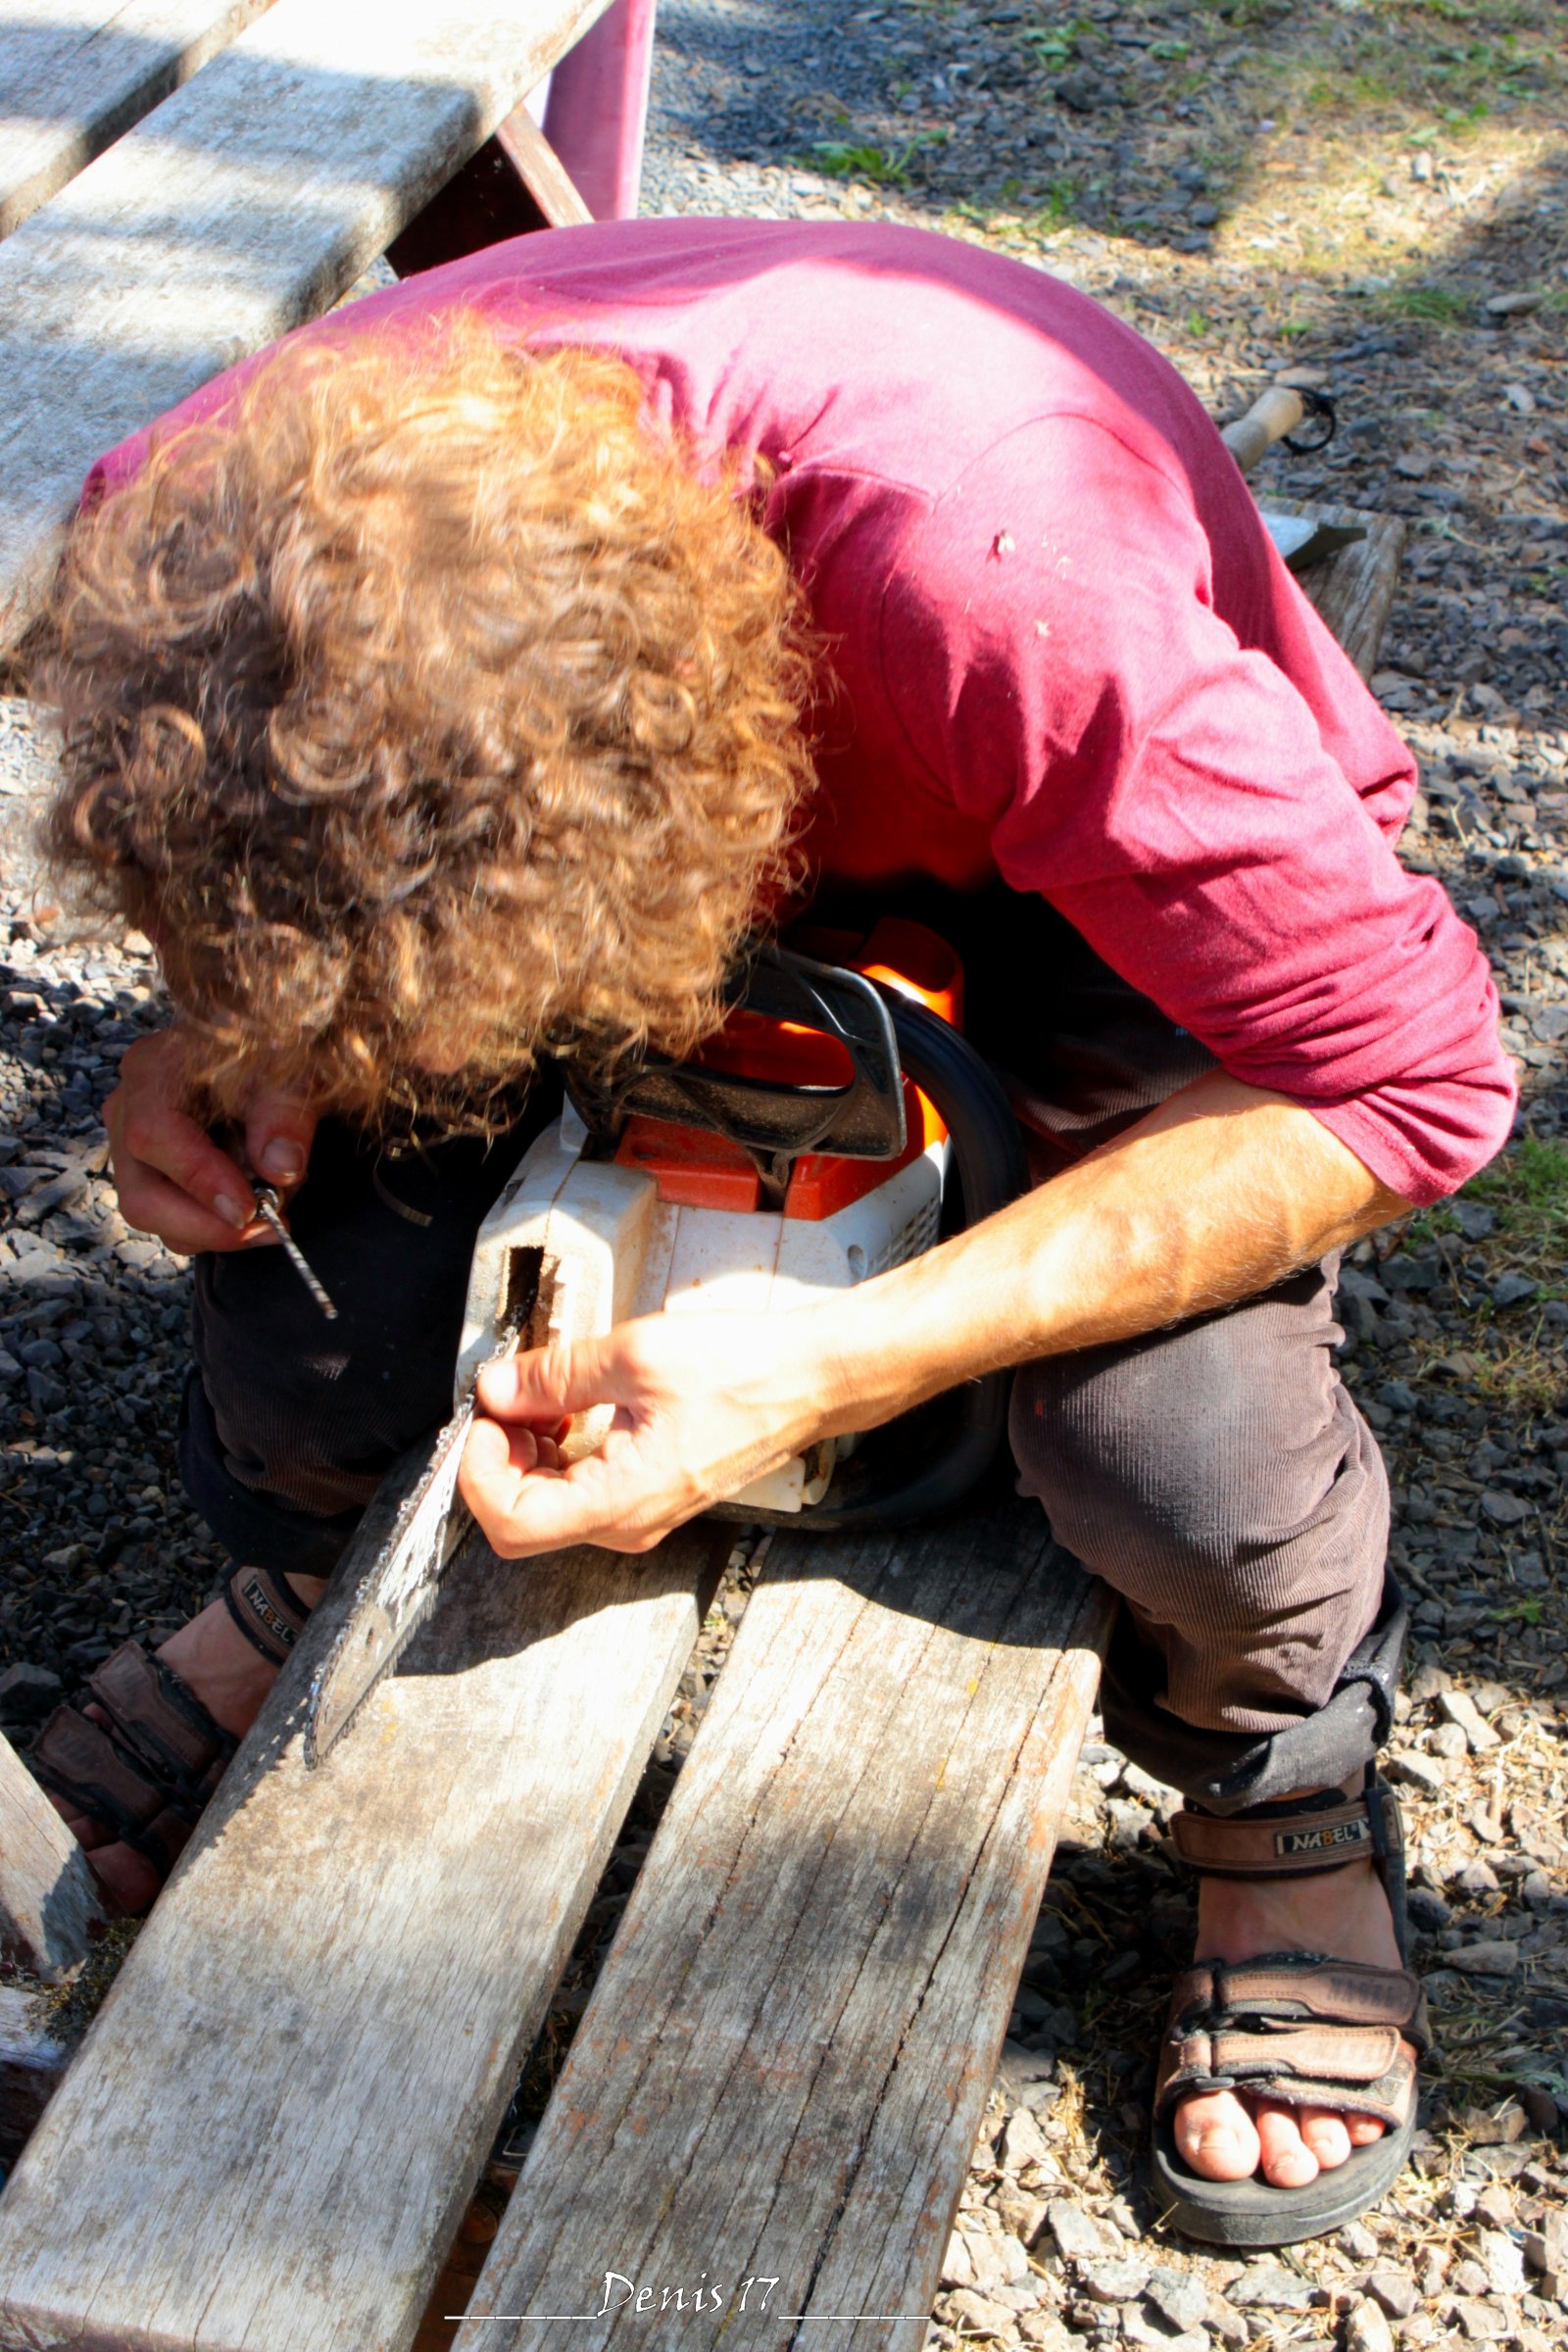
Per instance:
(587,1244)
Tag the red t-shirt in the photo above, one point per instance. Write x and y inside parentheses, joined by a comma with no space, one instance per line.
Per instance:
(1069,653)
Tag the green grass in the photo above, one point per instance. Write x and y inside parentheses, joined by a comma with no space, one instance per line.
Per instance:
(1439,305)
(840,159)
(1519,1363)
(1055,44)
(1528,1190)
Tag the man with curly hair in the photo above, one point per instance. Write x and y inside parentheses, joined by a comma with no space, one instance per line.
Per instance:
(449,692)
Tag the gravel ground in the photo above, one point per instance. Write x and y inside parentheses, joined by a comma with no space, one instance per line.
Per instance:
(1371,194)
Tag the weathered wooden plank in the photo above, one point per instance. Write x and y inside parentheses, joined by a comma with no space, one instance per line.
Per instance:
(32,2063)
(784,2065)
(49,1900)
(74,73)
(271,2130)
(541,170)
(250,200)
(1353,591)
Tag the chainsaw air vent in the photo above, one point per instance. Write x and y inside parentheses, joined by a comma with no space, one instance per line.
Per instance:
(916,1234)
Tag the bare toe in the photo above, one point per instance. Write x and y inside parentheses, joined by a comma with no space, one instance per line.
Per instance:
(1362,2129)
(1288,2160)
(128,1876)
(1217,2137)
(1324,2132)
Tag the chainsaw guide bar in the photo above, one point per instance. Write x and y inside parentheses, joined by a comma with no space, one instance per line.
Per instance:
(395,1596)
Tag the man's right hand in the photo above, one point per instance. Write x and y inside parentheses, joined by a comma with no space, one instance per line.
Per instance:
(172,1178)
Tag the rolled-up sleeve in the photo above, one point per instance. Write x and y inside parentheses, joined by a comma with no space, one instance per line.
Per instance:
(1051,645)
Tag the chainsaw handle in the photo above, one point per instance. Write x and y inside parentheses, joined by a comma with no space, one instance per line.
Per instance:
(860,1118)
(959,1434)
(1278,412)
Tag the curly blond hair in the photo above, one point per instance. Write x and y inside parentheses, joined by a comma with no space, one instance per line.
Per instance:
(429,713)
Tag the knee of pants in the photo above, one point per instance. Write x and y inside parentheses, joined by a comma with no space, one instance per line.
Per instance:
(1216,1472)
(313,1412)
(306,1415)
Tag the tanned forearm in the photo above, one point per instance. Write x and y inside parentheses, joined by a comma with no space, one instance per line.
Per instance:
(1216,1196)
(1219,1195)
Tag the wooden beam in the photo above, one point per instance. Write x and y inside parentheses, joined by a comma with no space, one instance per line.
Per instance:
(273,2128)
(50,1905)
(515,184)
(249,201)
(74,73)
(541,170)
(1354,590)
(32,2063)
(784,2061)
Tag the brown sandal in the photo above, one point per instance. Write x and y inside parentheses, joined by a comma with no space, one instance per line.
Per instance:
(144,1770)
(1296,2026)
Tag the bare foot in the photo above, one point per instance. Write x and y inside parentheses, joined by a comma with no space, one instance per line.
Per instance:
(1226,2136)
(230,1678)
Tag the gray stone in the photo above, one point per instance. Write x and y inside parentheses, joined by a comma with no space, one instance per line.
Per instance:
(997,2258)
(1479,2322)
(28,1692)
(1230,2326)
(1502,1508)
(1492,1957)
(1023,2143)
(1027,2078)
(1079,2237)
(1547,2247)
(1367,2329)
(1122,2217)
(957,2267)
(1023,2214)
(1178,2296)
(1461,1709)
(1046,2333)
(1395,2291)
(1430,1912)
(1120,2280)
(980,2315)
(1086,93)
(1266,2286)
(1409,1769)
(1503,2262)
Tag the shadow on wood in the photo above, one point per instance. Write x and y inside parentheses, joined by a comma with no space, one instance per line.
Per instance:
(784,2061)
(273,2129)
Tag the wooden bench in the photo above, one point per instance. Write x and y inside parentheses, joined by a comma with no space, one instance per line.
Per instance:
(314,135)
(271,2136)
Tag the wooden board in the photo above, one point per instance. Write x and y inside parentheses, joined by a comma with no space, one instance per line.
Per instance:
(49,1900)
(249,201)
(541,170)
(784,2061)
(1353,591)
(74,73)
(32,2063)
(273,2126)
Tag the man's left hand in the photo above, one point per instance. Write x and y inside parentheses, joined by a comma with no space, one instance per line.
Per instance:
(703,1405)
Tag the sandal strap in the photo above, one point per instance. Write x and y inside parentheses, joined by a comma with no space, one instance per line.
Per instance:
(161,1721)
(1292,1840)
(77,1760)
(148,1771)
(1296,2026)
(267,1611)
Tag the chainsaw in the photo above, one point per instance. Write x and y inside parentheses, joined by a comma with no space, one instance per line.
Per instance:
(838,1125)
